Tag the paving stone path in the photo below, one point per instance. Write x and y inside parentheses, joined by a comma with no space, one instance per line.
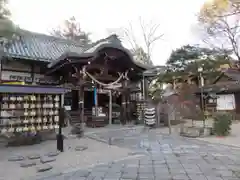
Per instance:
(42,160)
(162,157)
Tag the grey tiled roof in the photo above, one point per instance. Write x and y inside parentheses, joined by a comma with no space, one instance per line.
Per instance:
(109,42)
(35,46)
(41,47)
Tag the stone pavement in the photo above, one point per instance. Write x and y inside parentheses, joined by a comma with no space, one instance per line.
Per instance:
(232,139)
(162,157)
(134,154)
(16,164)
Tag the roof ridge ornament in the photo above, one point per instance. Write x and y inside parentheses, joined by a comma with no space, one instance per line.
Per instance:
(114,39)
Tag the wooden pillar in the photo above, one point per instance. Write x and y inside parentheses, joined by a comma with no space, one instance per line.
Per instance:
(124,104)
(81,99)
(33,73)
(145,88)
(81,109)
(123,111)
(75,100)
(127,101)
(81,104)
(1,64)
(110,107)
(128,107)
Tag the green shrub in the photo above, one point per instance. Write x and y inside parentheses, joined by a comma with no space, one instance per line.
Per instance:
(222,124)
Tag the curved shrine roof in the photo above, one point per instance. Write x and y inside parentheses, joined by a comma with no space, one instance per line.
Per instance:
(40,47)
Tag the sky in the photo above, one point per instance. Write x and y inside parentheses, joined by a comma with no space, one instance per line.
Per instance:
(102,17)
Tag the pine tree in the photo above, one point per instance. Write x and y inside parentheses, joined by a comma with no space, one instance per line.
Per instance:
(4,11)
(71,30)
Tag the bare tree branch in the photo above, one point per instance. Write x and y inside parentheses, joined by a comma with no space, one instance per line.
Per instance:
(222,29)
(149,34)
(130,37)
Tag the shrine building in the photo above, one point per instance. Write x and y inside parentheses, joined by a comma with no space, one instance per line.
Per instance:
(103,79)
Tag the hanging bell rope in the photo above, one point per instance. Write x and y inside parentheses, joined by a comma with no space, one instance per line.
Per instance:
(103,84)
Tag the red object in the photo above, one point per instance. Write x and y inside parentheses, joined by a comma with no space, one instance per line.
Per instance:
(220,137)
(187,102)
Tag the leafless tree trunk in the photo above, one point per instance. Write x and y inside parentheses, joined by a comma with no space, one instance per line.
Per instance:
(149,34)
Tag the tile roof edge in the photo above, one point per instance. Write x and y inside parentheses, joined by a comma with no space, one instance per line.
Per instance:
(104,44)
(25,33)
(11,55)
(111,39)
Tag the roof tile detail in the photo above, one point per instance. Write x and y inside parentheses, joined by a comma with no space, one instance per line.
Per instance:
(41,47)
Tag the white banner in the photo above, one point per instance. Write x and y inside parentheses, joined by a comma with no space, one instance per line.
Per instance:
(226,102)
